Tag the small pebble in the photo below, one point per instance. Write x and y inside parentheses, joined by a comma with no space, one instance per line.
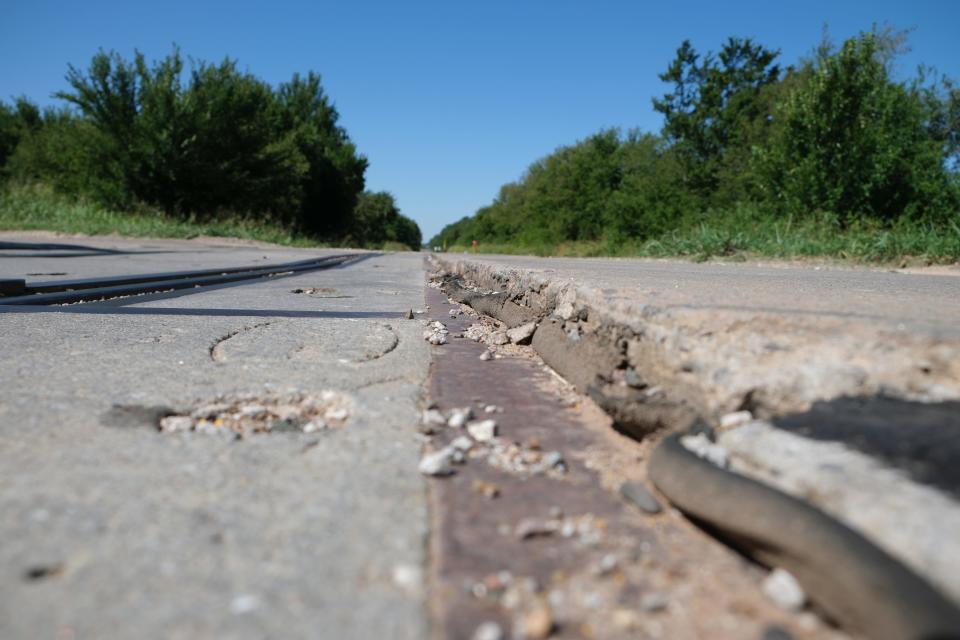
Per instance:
(463,443)
(244,603)
(533,528)
(314,425)
(639,495)
(701,445)
(776,632)
(653,602)
(735,419)
(336,414)
(172,424)
(536,624)
(486,355)
(437,463)
(432,416)
(498,338)
(488,631)
(458,417)
(781,587)
(483,431)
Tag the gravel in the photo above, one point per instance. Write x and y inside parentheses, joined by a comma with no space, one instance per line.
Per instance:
(437,463)
(498,338)
(459,417)
(483,431)
(784,590)
(522,334)
(701,445)
(488,631)
(639,495)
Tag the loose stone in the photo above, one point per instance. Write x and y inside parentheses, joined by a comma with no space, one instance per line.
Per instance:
(781,587)
(735,419)
(437,463)
(409,314)
(488,631)
(639,495)
(486,355)
(458,417)
(462,443)
(522,334)
(701,445)
(172,424)
(536,624)
(483,431)
(654,602)
(432,416)
(534,527)
(498,338)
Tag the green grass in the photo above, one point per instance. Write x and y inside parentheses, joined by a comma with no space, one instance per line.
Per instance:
(37,207)
(736,237)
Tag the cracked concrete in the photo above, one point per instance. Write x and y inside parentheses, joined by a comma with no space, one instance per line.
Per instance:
(663,345)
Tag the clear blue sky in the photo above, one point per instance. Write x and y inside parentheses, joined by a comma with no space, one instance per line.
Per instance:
(451,99)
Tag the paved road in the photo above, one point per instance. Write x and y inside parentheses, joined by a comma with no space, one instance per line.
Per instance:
(112,529)
(920,302)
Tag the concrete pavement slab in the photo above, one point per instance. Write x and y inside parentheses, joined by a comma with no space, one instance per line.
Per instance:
(113,529)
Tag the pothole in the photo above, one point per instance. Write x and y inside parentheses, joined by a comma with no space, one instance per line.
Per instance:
(242,416)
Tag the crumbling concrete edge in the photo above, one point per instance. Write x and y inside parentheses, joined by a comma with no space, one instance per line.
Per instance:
(740,508)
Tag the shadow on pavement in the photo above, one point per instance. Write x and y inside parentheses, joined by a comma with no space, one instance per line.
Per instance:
(921,439)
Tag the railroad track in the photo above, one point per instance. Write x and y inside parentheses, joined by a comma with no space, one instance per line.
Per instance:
(53,292)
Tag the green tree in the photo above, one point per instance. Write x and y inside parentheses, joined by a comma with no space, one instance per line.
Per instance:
(852,142)
(714,105)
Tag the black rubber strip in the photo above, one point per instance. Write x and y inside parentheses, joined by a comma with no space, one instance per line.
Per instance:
(852,580)
(52,286)
(147,283)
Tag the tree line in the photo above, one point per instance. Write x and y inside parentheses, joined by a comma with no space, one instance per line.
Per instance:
(201,141)
(834,139)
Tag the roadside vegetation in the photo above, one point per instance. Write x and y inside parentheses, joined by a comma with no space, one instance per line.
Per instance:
(831,157)
(165,148)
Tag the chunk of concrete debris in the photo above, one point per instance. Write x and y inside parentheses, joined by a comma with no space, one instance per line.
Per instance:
(462,443)
(522,334)
(336,414)
(554,460)
(172,424)
(498,338)
(534,528)
(488,631)
(639,495)
(432,416)
(483,431)
(735,419)
(535,624)
(459,417)
(314,425)
(781,587)
(653,602)
(438,463)
(701,445)
(486,355)
(437,339)
(454,313)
